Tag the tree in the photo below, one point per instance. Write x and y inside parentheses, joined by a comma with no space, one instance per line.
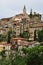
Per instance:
(13,35)
(2,53)
(8,37)
(35,56)
(3,37)
(31,13)
(25,34)
(40,35)
(0,37)
(25,50)
(35,35)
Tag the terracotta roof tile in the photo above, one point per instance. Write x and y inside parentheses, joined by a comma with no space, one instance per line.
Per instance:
(16,39)
(3,42)
(37,25)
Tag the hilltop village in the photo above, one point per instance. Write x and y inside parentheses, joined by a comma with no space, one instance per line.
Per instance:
(19,24)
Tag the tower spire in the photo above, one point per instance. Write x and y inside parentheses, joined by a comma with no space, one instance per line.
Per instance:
(24,10)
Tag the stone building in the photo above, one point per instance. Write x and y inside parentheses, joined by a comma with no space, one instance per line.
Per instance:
(23,22)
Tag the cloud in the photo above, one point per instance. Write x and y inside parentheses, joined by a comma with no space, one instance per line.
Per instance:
(12,7)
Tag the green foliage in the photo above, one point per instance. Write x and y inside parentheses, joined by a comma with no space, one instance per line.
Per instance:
(8,37)
(10,32)
(3,37)
(13,36)
(40,35)
(13,60)
(34,56)
(31,13)
(2,53)
(19,60)
(35,35)
(25,34)
(34,59)
(0,37)
(25,50)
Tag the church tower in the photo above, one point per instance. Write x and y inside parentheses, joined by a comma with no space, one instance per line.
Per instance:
(24,10)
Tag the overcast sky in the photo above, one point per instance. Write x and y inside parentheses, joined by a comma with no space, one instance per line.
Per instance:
(10,8)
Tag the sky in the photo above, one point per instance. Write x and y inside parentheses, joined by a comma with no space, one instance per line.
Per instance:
(9,8)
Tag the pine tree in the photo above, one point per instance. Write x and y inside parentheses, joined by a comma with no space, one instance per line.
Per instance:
(31,13)
(8,37)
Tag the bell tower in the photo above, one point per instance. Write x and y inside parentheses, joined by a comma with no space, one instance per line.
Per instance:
(24,10)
